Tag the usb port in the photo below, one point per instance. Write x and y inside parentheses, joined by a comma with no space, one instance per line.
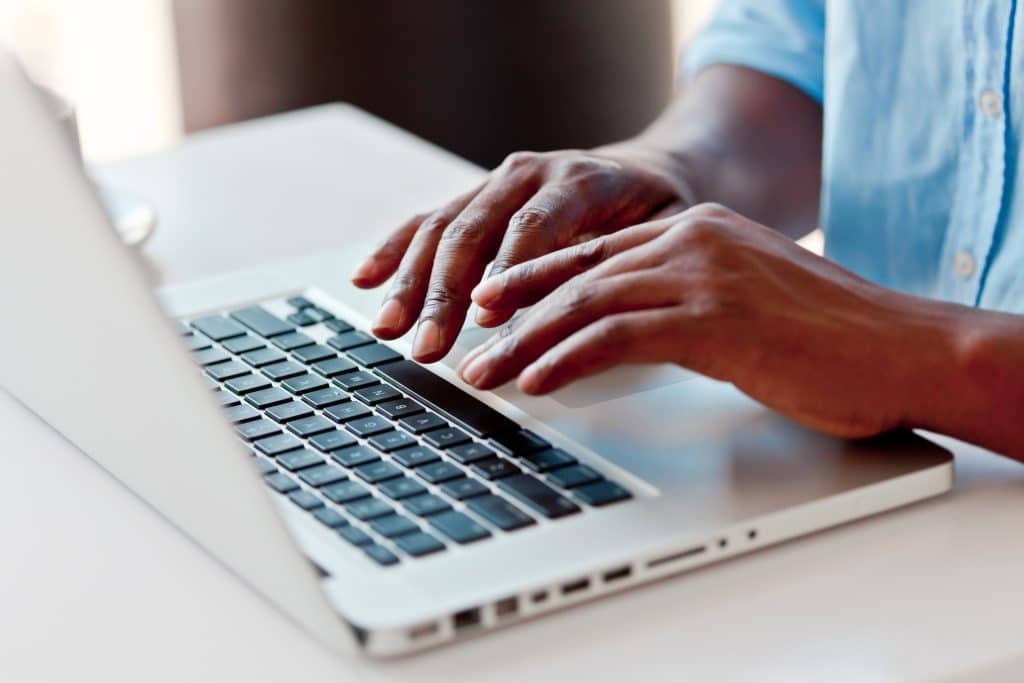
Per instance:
(576,586)
(613,575)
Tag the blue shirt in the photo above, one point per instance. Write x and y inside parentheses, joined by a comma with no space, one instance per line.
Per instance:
(923,113)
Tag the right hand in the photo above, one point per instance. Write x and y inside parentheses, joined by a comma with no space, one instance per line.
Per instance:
(531,205)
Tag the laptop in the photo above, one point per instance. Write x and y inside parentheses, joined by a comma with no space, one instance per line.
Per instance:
(383,505)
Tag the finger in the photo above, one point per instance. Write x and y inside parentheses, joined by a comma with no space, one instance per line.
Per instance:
(668,210)
(571,309)
(384,259)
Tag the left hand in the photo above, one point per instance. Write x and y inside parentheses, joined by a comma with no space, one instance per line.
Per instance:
(721,295)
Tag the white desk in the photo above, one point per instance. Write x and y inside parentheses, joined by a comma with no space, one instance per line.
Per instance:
(97,587)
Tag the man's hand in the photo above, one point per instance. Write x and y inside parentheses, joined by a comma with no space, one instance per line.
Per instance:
(724,296)
(531,205)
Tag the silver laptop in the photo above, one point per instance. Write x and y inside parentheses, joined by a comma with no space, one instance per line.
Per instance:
(381,504)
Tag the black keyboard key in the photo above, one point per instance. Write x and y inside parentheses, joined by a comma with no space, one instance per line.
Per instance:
(400,408)
(281,482)
(343,412)
(240,414)
(354,456)
(500,512)
(393,526)
(520,443)
(338,326)
(473,414)
(415,456)
(426,505)
(538,495)
(195,342)
(293,461)
(322,475)
(495,468)
(275,445)
(226,370)
(264,466)
(262,357)
(417,424)
(403,487)
(344,492)
(304,383)
(377,393)
(380,555)
(462,489)
(321,398)
(373,355)
(266,398)
(437,472)
(210,384)
(284,370)
(470,452)
(300,302)
(318,314)
(243,344)
(356,537)
(446,437)
(391,441)
(225,399)
(333,367)
(368,508)
(210,356)
(419,544)
(573,476)
(260,321)
(355,380)
(310,426)
(300,319)
(293,410)
(292,341)
(257,429)
(311,354)
(350,340)
(247,384)
(548,459)
(377,471)
(305,500)
(332,441)
(368,426)
(217,327)
(329,518)
(601,493)
(458,527)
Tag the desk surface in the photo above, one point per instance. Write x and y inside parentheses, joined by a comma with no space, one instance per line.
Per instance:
(97,586)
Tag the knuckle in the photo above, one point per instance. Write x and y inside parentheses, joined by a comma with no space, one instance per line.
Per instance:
(519,160)
(708,211)
(577,296)
(530,220)
(435,223)
(613,331)
(439,296)
(464,231)
(698,232)
(588,254)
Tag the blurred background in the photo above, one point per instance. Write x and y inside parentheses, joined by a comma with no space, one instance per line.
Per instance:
(479,77)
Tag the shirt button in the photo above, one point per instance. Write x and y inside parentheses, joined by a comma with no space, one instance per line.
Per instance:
(989,103)
(963,264)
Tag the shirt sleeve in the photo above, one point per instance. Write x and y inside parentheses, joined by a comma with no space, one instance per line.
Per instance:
(781,38)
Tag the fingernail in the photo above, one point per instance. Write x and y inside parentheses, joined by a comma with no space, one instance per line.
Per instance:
(366,270)
(530,380)
(428,339)
(468,358)
(390,315)
(486,292)
(485,317)
(474,372)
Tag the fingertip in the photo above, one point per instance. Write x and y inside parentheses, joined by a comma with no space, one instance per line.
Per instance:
(531,381)
(487,292)
(488,318)
(366,275)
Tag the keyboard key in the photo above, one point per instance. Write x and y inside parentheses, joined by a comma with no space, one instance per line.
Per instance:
(356,537)
(344,412)
(310,426)
(403,487)
(321,398)
(304,383)
(293,461)
(311,354)
(275,445)
(330,518)
(284,370)
(182,328)
(264,466)
(281,482)
(344,492)
(520,443)
(368,426)
(247,384)
(318,314)
(300,302)
(373,355)
(257,430)
(225,399)
(368,508)
(266,398)
(226,370)
(393,526)
(417,424)
(470,453)
(332,440)
(538,495)
(391,441)
(257,319)
(333,367)
(243,344)
(548,459)
(354,456)
(380,555)
(195,342)
(500,512)
(217,327)
(262,357)
(292,341)
(240,414)
(495,468)
(576,475)
(426,505)
(476,416)
(601,493)
(377,471)
(445,438)
(377,393)
(322,475)
(458,527)
(437,472)
(293,410)
(399,408)
(300,319)
(419,544)
(355,380)
(305,500)
(210,384)
(350,340)
(415,456)
(210,356)
(461,489)
(338,326)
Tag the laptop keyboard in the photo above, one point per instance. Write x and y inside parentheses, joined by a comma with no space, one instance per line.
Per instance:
(399,462)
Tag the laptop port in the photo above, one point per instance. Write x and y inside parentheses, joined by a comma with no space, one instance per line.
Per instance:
(575,586)
(506,608)
(467,618)
(539,597)
(423,630)
(675,557)
(613,575)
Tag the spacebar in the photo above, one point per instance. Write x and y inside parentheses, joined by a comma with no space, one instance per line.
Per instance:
(471,413)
